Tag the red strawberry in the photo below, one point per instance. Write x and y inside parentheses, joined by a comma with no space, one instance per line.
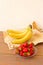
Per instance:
(25,54)
(31,45)
(25,50)
(28,53)
(31,51)
(23,47)
(25,44)
(21,53)
(28,49)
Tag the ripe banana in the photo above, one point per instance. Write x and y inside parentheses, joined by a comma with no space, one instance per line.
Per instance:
(24,39)
(18,34)
(13,31)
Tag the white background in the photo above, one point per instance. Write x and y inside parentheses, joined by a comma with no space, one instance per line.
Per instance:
(15,14)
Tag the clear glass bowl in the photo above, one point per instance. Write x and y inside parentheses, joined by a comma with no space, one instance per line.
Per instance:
(35,52)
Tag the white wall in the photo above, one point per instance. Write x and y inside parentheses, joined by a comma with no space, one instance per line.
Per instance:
(19,13)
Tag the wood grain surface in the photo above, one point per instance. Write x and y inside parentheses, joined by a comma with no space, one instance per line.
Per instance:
(8,58)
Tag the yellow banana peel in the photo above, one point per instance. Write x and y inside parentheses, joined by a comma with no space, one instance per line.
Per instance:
(17,34)
(24,39)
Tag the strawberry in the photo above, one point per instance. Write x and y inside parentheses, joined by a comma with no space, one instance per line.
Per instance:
(31,51)
(25,54)
(28,49)
(31,45)
(25,50)
(25,44)
(23,47)
(21,53)
(28,53)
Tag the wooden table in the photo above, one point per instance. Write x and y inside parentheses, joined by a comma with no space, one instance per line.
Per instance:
(8,58)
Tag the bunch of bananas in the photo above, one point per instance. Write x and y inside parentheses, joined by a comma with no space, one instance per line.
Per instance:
(20,36)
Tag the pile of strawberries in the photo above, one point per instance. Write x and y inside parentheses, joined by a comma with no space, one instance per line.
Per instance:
(25,49)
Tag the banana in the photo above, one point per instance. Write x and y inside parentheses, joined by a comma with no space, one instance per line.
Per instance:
(24,39)
(16,31)
(18,35)
(13,31)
